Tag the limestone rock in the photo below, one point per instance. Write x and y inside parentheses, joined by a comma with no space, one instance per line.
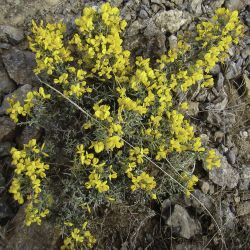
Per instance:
(171,20)
(19,65)
(181,221)
(225,175)
(27,134)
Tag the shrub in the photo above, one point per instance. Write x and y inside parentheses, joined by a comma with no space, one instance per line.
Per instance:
(115,127)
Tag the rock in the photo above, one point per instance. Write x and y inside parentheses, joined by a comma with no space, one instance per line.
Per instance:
(225,175)
(205,187)
(234,69)
(151,29)
(236,4)
(226,216)
(193,109)
(34,237)
(181,222)
(247,84)
(19,65)
(11,34)
(245,179)
(128,12)
(27,134)
(204,199)
(143,14)
(172,42)
(216,4)
(171,20)
(5,148)
(195,6)
(243,208)
(6,84)
(220,82)
(135,28)
(178,2)
(7,128)
(231,156)
(155,8)
(215,70)
(219,136)
(19,94)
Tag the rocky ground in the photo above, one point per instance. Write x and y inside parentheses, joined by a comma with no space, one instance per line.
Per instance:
(221,114)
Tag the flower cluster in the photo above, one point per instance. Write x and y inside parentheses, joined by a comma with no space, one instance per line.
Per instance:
(78,237)
(17,109)
(212,159)
(29,174)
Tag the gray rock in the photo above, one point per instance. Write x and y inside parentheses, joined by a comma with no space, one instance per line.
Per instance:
(7,128)
(181,220)
(5,148)
(215,4)
(247,84)
(234,69)
(193,109)
(171,20)
(178,2)
(225,175)
(215,70)
(195,6)
(19,94)
(172,41)
(236,4)
(34,237)
(128,12)
(155,8)
(204,200)
(27,134)
(219,136)
(19,65)
(135,28)
(6,84)
(220,82)
(11,34)
(231,156)
(143,14)
(245,179)
(151,29)
(226,216)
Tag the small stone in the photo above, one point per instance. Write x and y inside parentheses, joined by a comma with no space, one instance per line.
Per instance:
(245,179)
(215,70)
(7,128)
(219,136)
(231,156)
(247,84)
(143,14)
(244,134)
(205,187)
(155,8)
(195,6)
(193,109)
(183,224)
(11,34)
(225,175)
(172,42)
(220,82)
(19,65)
(201,201)
(171,20)
(236,4)
(234,69)
(19,94)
